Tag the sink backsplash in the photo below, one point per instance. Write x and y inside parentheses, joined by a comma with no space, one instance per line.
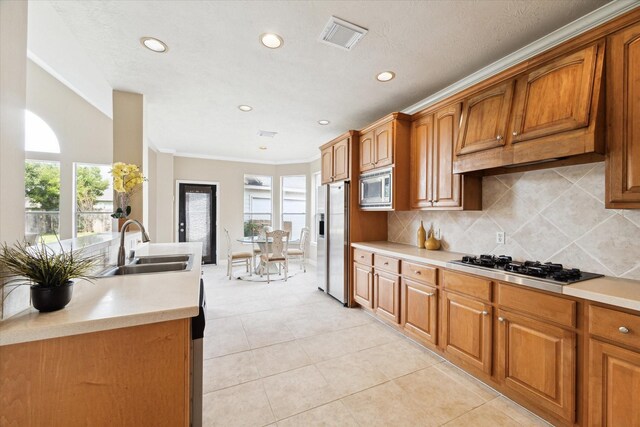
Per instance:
(551,214)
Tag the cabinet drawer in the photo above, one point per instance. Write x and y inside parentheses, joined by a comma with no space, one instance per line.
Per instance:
(537,304)
(468,285)
(362,257)
(612,324)
(419,272)
(386,263)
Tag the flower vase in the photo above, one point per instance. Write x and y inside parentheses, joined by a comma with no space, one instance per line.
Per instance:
(121,222)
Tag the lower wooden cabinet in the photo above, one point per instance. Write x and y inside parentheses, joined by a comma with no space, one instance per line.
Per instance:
(614,386)
(419,306)
(467,330)
(386,291)
(538,361)
(363,285)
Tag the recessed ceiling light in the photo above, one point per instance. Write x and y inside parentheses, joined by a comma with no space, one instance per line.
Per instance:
(323,122)
(385,76)
(154,44)
(271,40)
(245,108)
(263,147)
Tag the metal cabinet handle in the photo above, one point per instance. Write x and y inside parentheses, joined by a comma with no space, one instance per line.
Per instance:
(485,312)
(499,137)
(514,133)
(361,256)
(418,272)
(623,330)
(430,294)
(386,263)
(501,319)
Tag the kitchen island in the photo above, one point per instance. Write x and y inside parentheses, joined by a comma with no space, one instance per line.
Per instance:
(118,354)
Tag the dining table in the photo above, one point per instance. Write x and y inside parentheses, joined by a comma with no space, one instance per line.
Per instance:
(262,241)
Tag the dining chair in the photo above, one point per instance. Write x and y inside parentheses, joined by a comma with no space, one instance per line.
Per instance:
(237,258)
(255,247)
(301,250)
(276,252)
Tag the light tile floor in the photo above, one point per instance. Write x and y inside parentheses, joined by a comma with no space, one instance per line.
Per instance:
(285,354)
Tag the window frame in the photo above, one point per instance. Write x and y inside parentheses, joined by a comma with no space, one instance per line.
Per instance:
(251,213)
(304,214)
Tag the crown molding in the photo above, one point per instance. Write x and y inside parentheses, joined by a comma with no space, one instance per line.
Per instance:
(581,25)
(239,160)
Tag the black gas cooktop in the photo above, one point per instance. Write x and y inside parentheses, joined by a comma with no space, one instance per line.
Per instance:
(548,271)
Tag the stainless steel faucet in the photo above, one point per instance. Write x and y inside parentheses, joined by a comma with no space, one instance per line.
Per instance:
(145,238)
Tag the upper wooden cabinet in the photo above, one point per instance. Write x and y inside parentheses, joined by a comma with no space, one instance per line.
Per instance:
(335,158)
(385,144)
(623,117)
(433,183)
(384,140)
(549,112)
(486,118)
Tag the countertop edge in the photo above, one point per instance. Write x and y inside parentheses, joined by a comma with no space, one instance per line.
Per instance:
(608,299)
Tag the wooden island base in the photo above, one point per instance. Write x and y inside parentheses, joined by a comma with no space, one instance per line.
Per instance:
(130,376)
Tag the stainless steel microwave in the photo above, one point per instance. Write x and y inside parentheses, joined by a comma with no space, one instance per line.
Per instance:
(376,189)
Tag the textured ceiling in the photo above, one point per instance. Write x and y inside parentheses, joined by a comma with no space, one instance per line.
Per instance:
(215,63)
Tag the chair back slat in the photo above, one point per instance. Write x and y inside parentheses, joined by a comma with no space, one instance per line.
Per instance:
(277,243)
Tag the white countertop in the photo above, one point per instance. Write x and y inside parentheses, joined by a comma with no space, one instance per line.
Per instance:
(608,290)
(116,302)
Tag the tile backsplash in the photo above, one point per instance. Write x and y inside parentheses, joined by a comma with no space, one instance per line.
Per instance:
(547,215)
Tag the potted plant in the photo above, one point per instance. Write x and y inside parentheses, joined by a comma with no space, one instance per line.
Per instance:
(127,179)
(48,273)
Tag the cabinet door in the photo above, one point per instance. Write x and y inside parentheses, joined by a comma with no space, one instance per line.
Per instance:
(367,152)
(446,186)
(485,118)
(538,360)
(614,386)
(326,161)
(341,160)
(363,285)
(419,307)
(467,330)
(387,296)
(383,143)
(421,162)
(623,116)
(555,97)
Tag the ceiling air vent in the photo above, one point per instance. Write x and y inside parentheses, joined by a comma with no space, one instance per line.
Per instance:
(266,133)
(341,33)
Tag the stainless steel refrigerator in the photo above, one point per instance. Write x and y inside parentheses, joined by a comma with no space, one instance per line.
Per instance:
(333,250)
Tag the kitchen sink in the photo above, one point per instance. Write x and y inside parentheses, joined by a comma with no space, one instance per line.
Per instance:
(151,264)
(156,259)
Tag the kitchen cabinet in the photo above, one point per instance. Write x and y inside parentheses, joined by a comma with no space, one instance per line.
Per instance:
(419,302)
(386,287)
(386,293)
(614,367)
(377,146)
(467,331)
(335,159)
(623,119)
(128,376)
(433,183)
(554,111)
(614,386)
(538,360)
(363,285)
(386,144)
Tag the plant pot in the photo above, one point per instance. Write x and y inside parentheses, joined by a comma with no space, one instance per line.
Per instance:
(51,299)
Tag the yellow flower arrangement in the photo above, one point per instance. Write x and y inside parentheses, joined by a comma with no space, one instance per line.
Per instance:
(127,179)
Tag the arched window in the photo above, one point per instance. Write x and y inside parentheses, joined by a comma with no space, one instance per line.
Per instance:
(38,135)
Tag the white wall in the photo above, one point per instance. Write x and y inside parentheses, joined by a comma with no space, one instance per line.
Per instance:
(85,134)
(230,176)
(13,82)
